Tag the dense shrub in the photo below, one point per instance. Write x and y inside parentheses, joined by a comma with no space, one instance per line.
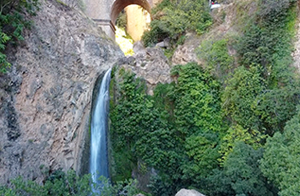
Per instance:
(121,21)
(216,57)
(170,131)
(140,128)
(281,159)
(241,174)
(174,18)
(240,94)
(155,35)
(210,126)
(267,45)
(60,183)
(236,134)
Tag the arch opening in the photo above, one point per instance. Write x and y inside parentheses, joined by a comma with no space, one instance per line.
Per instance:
(130,23)
(119,5)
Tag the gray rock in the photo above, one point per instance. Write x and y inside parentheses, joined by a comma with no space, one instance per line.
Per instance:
(187,192)
(151,65)
(163,44)
(186,53)
(138,48)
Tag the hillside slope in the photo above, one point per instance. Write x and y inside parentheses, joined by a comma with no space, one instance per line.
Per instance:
(234,94)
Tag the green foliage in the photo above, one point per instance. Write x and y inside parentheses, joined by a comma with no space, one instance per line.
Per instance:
(249,102)
(3,62)
(185,15)
(162,185)
(198,120)
(267,46)
(161,6)
(121,21)
(69,183)
(238,134)
(173,18)
(241,174)
(270,10)
(242,167)
(181,130)
(126,188)
(216,57)
(63,184)
(170,131)
(12,23)
(202,152)
(268,43)
(197,100)
(281,158)
(240,94)
(155,35)
(138,127)
(276,106)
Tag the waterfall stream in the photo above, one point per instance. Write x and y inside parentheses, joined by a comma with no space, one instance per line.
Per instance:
(99,126)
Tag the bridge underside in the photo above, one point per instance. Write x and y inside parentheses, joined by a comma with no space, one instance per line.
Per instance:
(105,12)
(119,5)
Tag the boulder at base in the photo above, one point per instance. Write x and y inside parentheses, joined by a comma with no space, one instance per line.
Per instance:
(187,192)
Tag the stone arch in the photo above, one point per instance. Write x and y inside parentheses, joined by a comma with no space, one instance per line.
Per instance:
(119,5)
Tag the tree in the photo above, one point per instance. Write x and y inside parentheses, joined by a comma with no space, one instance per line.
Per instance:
(237,134)
(241,175)
(281,161)
(202,157)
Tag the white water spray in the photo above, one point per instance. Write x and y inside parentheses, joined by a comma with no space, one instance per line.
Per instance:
(99,127)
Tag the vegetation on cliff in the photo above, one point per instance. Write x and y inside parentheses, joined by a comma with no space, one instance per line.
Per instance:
(61,183)
(173,18)
(12,24)
(217,126)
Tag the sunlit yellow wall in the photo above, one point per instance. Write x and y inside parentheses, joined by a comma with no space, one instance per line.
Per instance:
(138,21)
(125,44)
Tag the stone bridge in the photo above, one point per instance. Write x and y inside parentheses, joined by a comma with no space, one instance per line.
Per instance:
(105,12)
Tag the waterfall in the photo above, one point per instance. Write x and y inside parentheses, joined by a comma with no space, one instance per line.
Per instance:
(99,126)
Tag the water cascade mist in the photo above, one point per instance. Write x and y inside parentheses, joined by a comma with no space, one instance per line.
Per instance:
(99,127)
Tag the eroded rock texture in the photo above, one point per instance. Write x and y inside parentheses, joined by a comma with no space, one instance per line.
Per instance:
(149,64)
(45,99)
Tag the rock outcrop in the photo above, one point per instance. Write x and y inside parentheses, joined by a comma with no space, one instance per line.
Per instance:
(45,99)
(185,53)
(150,64)
(187,192)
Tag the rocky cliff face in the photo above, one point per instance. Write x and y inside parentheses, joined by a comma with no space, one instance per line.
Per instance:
(45,99)
(150,64)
